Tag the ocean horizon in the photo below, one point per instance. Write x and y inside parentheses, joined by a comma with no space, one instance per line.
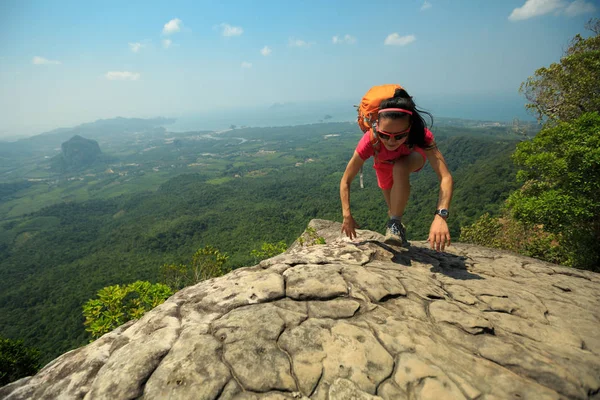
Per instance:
(481,108)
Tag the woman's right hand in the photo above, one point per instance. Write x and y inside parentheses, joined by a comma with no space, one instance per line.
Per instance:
(349,227)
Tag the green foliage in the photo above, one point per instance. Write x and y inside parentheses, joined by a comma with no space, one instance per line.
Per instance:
(311,238)
(268,250)
(17,360)
(117,304)
(485,232)
(565,90)
(561,190)
(208,262)
(510,234)
(175,276)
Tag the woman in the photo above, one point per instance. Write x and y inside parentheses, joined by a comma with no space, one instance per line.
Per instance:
(404,145)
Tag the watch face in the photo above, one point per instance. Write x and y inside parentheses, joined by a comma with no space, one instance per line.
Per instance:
(443,212)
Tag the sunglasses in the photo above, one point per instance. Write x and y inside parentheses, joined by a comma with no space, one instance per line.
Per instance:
(396,135)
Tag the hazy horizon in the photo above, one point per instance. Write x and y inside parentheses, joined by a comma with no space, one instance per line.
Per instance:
(80,62)
(501,109)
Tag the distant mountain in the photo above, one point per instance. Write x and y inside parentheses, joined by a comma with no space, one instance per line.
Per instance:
(15,149)
(77,153)
(98,129)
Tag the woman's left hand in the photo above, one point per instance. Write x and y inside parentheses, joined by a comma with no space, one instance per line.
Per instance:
(439,235)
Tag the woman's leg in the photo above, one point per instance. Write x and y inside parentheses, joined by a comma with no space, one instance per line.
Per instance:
(386,195)
(398,195)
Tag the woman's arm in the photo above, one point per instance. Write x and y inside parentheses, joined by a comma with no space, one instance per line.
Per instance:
(439,234)
(349,225)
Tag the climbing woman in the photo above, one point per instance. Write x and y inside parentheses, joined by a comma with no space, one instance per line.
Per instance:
(398,139)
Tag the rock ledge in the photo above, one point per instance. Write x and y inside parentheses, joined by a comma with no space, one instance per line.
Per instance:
(352,320)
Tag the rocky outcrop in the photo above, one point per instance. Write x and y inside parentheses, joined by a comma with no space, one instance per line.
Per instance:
(77,153)
(352,320)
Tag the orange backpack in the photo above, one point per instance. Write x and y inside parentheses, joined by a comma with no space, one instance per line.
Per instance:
(368,113)
(369,105)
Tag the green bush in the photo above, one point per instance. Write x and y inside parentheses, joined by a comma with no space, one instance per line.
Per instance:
(510,234)
(311,238)
(17,360)
(117,304)
(268,250)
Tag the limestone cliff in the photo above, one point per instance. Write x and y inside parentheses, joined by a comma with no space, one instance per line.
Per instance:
(352,320)
(77,153)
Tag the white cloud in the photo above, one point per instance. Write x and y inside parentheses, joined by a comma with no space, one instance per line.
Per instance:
(298,43)
(426,5)
(172,26)
(135,47)
(167,43)
(265,51)
(37,60)
(229,30)
(579,7)
(346,39)
(246,64)
(395,39)
(122,76)
(534,8)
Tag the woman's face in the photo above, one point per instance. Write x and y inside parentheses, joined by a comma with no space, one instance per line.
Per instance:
(393,127)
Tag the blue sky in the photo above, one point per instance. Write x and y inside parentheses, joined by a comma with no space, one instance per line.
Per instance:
(68,62)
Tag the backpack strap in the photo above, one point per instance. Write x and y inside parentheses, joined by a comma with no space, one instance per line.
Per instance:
(362,186)
(375,143)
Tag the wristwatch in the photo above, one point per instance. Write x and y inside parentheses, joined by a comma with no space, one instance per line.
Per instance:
(442,212)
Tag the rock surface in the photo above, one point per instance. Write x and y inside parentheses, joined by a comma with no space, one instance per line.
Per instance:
(352,320)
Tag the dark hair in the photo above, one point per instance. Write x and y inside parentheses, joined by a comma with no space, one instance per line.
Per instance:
(403,100)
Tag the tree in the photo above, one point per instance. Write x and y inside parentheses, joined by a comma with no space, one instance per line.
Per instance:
(208,262)
(17,360)
(117,304)
(561,190)
(565,90)
(269,250)
(558,205)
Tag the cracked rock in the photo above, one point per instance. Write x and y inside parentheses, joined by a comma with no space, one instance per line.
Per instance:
(351,320)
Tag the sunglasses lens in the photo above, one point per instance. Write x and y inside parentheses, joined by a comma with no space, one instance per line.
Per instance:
(385,136)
